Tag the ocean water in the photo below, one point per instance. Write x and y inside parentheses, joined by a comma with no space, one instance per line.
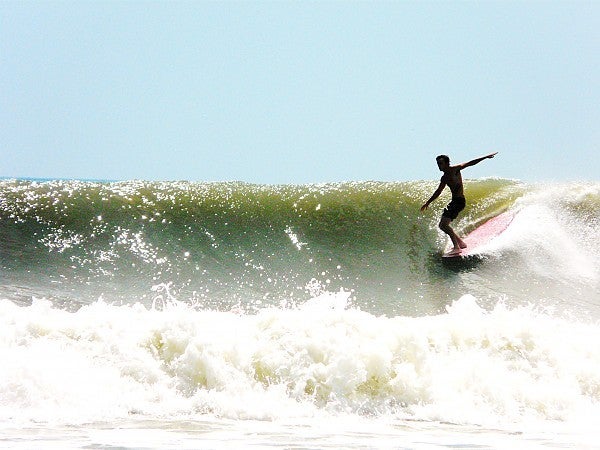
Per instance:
(230,315)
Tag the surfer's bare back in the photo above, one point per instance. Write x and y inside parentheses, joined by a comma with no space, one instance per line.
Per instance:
(453,179)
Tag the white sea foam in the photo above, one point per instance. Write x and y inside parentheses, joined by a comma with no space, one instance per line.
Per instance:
(551,241)
(468,365)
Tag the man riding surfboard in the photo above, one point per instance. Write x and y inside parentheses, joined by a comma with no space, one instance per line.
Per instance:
(453,179)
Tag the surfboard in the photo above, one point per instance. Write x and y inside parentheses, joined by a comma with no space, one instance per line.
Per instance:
(481,235)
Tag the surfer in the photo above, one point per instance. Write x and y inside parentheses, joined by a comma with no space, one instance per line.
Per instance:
(453,179)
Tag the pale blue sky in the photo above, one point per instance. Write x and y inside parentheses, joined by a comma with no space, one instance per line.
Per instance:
(295,92)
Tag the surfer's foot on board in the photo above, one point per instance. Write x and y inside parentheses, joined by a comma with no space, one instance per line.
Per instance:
(462,244)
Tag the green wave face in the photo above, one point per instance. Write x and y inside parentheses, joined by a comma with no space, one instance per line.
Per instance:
(225,245)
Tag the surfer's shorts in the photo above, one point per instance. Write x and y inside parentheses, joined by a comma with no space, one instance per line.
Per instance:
(454,207)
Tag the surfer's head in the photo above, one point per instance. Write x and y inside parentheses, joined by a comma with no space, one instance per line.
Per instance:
(443,161)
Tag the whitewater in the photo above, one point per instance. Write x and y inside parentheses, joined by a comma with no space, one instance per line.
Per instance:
(228,315)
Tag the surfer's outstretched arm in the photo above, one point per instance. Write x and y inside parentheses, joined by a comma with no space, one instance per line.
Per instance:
(476,161)
(435,195)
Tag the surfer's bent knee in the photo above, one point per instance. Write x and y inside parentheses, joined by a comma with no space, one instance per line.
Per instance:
(444,223)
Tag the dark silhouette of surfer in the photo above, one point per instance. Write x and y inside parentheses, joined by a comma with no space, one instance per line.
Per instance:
(453,179)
